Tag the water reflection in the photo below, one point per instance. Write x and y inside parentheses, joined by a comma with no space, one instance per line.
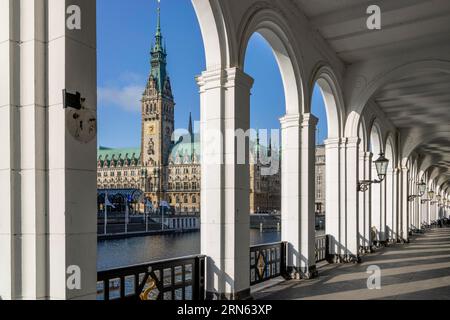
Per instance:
(124,252)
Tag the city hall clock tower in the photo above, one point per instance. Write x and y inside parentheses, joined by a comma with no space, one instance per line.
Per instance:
(157,121)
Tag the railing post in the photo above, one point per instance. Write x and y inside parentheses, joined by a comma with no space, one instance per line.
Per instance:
(327,248)
(199,279)
(283,263)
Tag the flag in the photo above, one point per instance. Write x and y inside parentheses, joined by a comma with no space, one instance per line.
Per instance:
(164,204)
(107,202)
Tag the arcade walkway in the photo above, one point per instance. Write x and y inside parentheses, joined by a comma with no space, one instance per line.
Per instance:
(419,271)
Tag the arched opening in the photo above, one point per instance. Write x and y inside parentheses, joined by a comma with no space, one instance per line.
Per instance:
(326,107)
(146,91)
(264,147)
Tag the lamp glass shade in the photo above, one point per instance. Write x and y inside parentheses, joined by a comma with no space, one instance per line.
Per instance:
(381,164)
(422,188)
(438,198)
(431,194)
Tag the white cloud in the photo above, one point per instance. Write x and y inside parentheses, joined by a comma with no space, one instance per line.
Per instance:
(127,97)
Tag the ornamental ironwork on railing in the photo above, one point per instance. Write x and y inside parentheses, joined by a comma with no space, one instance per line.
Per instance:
(184,278)
(177,279)
(321,248)
(267,262)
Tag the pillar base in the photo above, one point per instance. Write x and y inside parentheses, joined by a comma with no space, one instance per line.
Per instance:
(380,244)
(310,273)
(365,250)
(343,258)
(242,295)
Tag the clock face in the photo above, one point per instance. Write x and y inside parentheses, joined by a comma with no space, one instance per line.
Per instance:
(151,129)
(81,125)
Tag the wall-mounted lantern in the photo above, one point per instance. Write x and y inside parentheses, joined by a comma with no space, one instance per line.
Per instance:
(381,165)
(430,197)
(422,188)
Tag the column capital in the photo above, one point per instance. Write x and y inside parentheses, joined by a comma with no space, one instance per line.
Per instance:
(351,141)
(215,78)
(308,119)
(332,142)
(210,79)
(235,76)
(290,120)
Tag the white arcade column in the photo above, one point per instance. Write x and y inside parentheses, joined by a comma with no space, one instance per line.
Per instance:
(377,212)
(297,193)
(404,230)
(225,221)
(333,196)
(365,173)
(352,196)
(48,232)
(390,212)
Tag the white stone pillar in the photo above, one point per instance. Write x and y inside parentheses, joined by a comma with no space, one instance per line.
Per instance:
(365,203)
(377,220)
(10,264)
(404,230)
(349,219)
(49,177)
(390,212)
(383,204)
(225,221)
(396,205)
(297,193)
(307,197)
(72,163)
(333,195)
(362,237)
(430,217)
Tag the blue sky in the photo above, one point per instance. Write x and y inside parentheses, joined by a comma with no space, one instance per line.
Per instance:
(124,36)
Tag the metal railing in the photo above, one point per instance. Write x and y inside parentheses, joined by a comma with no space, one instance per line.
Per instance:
(321,248)
(184,278)
(177,279)
(267,262)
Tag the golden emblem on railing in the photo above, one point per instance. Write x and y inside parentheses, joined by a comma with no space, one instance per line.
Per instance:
(150,287)
(261,266)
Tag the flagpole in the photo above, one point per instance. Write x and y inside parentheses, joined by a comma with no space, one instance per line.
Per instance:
(105,222)
(126,216)
(162,218)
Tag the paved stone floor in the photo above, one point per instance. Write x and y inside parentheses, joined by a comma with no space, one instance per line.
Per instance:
(419,270)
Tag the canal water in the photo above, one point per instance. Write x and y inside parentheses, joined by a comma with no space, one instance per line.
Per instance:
(125,252)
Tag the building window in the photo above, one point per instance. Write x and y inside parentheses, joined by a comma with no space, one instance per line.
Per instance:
(112,173)
(194,199)
(186,200)
(186,186)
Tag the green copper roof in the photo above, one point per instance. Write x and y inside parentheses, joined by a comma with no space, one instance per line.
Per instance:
(109,154)
(186,151)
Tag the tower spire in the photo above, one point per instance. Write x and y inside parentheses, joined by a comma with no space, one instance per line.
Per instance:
(158,24)
(158,56)
(190,128)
